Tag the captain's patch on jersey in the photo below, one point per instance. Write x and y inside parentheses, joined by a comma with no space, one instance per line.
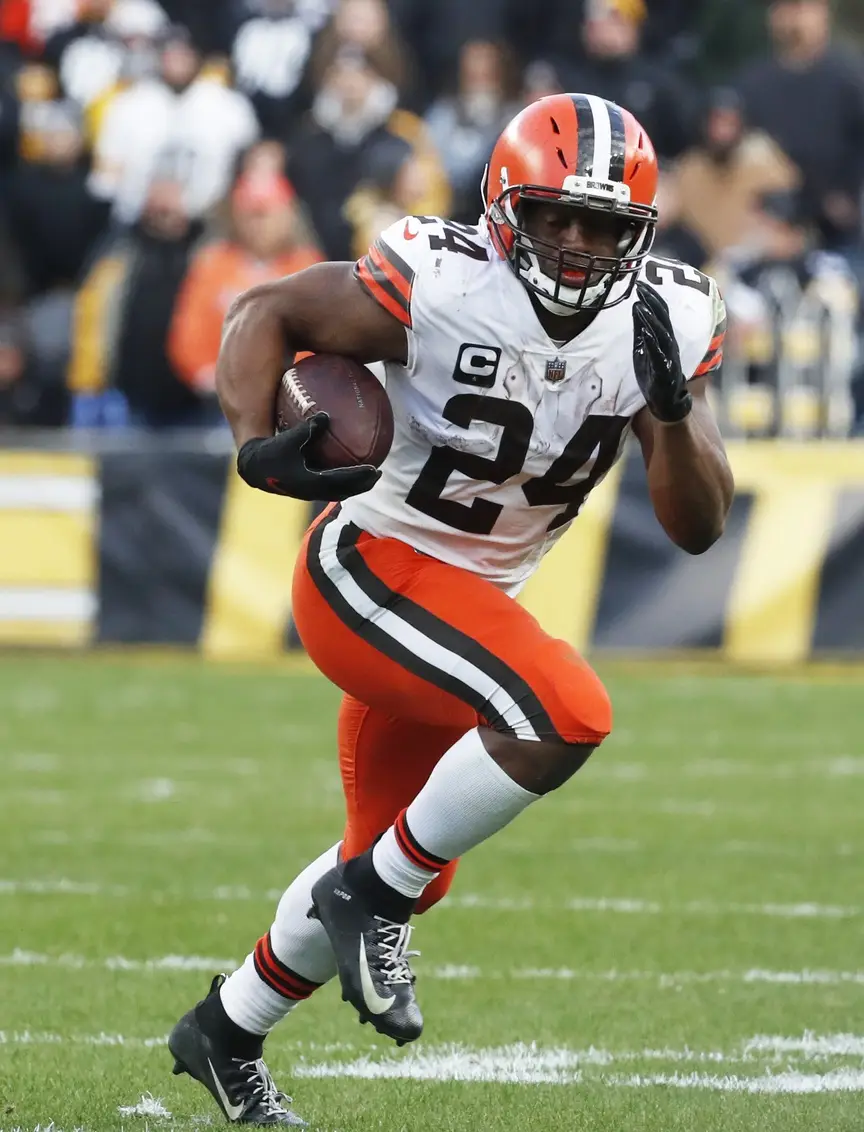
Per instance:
(477,365)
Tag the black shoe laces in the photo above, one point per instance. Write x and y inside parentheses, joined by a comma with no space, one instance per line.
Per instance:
(393,951)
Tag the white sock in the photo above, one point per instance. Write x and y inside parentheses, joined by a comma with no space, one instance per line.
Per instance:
(295,955)
(466,799)
(395,869)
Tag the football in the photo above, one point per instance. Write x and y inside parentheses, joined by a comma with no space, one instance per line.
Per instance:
(361,419)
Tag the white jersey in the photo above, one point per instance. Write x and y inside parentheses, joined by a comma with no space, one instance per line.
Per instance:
(500,432)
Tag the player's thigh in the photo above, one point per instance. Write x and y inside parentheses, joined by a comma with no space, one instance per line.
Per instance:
(385,762)
(355,652)
(419,639)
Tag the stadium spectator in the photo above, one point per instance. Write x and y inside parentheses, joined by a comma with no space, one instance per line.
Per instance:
(10,117)
(271,46)
(364,25)
(54,218)
(795,309)
(393,185)
(719,37)
(333,86)
(12,283)
(36,92)
(614,68)
(435,30)
(108,44)
(706,39)
(18,398)
(539,79)
(267,242)
(265,156)
(674,238)
(206,22)
(55,224)
(720,181)
(16,26)
(120,371)
(353,112)
(181,120)
(810,98)
(24,402)
(465,125)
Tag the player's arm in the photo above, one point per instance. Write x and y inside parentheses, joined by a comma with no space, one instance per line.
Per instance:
(324,309)
(689,477)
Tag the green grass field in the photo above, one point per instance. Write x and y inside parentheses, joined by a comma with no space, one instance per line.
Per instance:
(673,941)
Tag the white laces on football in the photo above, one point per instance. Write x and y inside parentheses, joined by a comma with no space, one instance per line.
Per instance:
(263,1088)
(393,949)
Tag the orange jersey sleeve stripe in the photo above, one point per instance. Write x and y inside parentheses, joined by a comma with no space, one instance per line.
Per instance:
(711,363)
(382,290)
(384,263)
(714,354)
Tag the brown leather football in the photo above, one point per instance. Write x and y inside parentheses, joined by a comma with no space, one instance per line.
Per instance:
(361,419)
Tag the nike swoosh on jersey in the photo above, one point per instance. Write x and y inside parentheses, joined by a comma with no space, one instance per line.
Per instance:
(232,1111)
(407,233)
(375,1004)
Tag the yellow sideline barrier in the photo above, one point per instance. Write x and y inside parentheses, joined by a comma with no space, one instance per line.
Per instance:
(796,487)
(48,555)
(807,502)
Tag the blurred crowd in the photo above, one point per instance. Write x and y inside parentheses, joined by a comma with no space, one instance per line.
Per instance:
(158,158)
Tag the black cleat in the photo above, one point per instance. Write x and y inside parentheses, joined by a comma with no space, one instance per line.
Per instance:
(372,956)
(243,1088)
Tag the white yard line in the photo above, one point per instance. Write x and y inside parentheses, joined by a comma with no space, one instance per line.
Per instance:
(811,1045)
(588,846)
(50,1038)
(49,1127)
(530,1064)
(638,906)
(19,958)
(46,1038)
(459,972)
(836,1081)
(60,887)
(480,901)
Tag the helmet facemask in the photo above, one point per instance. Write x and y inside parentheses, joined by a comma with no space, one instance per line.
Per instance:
(543,266)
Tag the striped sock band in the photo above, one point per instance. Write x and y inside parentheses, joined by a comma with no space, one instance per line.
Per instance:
(412,848)
(277,975)
(402,863)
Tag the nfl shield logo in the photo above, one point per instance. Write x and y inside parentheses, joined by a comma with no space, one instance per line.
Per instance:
(556,370)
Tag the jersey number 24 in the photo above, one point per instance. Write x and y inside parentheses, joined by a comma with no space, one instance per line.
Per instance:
(600,435)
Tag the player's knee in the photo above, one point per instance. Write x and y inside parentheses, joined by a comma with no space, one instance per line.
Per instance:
(578,708)
(587,712)
(540,767)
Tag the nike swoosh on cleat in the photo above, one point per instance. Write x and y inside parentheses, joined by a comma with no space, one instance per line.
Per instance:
(375,1004)
(408,234)
(232,1111)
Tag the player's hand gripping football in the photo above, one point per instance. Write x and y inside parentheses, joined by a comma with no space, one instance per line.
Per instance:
(657,359)
(278,464)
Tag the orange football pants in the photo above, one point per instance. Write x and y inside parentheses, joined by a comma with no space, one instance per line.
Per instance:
(424,652)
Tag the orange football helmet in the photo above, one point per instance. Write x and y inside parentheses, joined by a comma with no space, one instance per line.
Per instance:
(580,150)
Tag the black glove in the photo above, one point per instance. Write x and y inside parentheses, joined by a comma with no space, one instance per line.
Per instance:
(277,464)
(657,359)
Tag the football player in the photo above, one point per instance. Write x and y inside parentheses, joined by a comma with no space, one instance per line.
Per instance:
(520,354)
